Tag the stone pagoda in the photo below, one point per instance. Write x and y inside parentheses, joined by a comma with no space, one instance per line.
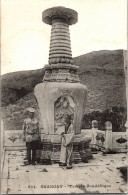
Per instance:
(61,97)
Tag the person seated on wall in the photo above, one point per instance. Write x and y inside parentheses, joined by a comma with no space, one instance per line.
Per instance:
(31,135)
(67,147)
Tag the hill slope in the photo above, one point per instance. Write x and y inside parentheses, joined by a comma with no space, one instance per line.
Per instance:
(101,71)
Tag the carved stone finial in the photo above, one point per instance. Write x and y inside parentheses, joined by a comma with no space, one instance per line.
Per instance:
(108,125)
(94,124)
(67,15)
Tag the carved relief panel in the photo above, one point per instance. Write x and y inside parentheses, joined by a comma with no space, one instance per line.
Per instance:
(64,108)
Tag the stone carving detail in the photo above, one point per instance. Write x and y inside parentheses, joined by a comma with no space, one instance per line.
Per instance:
(13,138)
(61,73)
(48,72)
(55,71)
(60,60)
(73,71)
(121,140)
(66,91)
(64,113)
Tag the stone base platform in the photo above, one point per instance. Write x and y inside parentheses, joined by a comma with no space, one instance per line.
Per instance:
(51,145)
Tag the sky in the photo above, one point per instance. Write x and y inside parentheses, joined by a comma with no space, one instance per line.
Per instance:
(25,39)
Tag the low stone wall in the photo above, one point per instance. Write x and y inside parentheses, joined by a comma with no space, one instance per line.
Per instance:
(96,136)
(112,141)
(117,141)
(50,146)
(13,140)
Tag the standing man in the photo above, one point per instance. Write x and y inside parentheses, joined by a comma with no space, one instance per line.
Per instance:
(31,135)
(67,147)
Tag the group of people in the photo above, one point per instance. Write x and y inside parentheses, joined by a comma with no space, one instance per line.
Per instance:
(32,137)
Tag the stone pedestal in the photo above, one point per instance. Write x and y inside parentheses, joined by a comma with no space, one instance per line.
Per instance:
(51,147)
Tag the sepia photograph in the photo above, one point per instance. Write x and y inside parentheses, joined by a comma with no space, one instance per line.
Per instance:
(64,96)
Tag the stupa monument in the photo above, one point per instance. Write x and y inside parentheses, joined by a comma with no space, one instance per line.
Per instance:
(61,97)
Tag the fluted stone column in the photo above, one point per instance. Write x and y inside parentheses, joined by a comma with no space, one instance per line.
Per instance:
(60,47)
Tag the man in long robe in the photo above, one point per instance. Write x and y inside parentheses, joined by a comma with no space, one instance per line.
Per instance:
(67,148)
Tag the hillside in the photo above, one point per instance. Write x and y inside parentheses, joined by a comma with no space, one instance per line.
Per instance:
(104,59)
(101,71)
(18,84)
